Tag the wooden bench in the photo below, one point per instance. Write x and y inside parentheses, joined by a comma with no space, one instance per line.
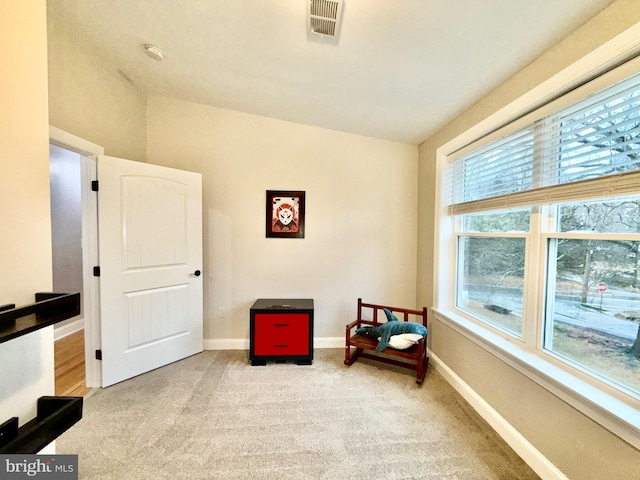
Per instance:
(414,357)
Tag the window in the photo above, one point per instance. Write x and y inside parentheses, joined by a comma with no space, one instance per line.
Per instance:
(491,286)
(544,215)
(592,310)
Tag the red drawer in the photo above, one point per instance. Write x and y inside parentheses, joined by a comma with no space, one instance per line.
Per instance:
(280,334)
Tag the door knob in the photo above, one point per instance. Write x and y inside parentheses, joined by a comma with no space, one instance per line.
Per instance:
(195,274)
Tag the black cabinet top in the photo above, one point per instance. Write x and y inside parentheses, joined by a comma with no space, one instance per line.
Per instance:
(283,304)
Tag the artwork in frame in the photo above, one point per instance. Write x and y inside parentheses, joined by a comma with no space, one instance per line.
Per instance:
(285,214)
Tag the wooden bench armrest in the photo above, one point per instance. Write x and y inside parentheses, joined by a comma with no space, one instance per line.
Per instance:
(353,324)
(357,323)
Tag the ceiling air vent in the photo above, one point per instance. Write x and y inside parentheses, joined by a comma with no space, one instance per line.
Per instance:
(324,17)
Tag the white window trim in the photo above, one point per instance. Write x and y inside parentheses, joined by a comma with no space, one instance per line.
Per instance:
(604,408)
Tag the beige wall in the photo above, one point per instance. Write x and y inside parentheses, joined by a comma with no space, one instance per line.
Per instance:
(580,448)
(25,243)
(361,206)
(66,223)
(91,99)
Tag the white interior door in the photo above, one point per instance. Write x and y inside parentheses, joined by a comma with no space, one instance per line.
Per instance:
(150,242)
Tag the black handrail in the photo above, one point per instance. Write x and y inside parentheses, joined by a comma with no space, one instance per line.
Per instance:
(49,308)
(55,416)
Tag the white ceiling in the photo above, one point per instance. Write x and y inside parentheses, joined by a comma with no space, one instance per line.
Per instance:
(400,70)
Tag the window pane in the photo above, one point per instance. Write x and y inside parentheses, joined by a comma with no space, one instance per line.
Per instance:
(614,216)
(490,285)
(514,221)
(593,307)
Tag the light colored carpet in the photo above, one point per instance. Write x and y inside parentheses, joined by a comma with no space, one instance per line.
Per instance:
(213,416)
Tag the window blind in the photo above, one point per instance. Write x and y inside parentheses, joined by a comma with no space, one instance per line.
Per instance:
(587,149)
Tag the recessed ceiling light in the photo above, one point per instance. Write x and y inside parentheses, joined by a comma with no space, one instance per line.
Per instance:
(153,52)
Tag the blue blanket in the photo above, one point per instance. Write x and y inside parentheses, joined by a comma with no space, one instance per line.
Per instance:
(392,327)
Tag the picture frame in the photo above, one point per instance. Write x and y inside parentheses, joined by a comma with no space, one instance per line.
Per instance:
(285,213)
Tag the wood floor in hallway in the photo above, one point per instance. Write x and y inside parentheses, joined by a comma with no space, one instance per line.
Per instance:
(69,366)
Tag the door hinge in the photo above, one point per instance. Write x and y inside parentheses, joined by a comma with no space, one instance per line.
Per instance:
(94,185)
(96,271)
(98,354)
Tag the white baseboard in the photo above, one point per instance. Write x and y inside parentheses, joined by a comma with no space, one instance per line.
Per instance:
(538,462)
(243,343)
(226,344)
(328,342)
(61,331)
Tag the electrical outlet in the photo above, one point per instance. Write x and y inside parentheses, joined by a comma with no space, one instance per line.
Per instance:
(221,311)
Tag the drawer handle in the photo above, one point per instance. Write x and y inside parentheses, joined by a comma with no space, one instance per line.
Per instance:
(282,345)
(281,324)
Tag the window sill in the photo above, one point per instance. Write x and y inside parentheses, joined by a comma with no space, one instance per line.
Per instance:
(615,415)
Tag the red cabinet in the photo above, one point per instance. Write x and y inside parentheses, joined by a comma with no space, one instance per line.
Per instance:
(281,329)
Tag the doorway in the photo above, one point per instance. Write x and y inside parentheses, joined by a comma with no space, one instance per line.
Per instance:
(75,251)
(67,266)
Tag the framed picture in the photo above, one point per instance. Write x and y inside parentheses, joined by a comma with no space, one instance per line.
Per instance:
(285,214)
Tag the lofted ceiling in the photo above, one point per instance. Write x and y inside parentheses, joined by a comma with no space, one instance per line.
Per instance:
(400,69)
